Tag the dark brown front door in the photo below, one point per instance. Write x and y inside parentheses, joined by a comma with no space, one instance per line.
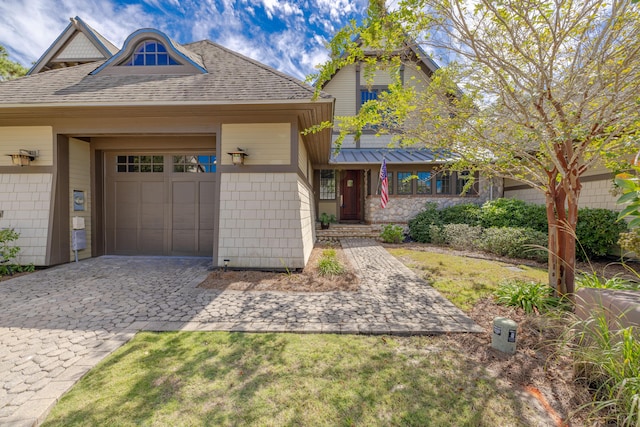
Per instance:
(350,209)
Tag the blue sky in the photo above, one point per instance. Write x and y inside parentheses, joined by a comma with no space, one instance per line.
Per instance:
(288,35)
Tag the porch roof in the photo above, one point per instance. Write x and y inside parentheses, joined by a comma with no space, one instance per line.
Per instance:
(392,155)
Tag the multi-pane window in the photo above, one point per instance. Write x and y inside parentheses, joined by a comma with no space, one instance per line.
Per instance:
(423,183)
(368,95)
(390,179)
(140,164)
(443,183)
(148,53)
(196,163)
(462,180)
(404,183)
(327,184)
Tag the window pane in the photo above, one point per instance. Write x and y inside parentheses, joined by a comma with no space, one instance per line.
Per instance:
(122,159)
(122,168)
(158,168)
(443,183)
(158,159)
(150,46)
(145,168)
(423,185)
(366,95)
(161,47)
(145,159)
(133,168)
(178,168)
(163,59)
(404,183)
(327,185)
(390,177)
(173,61)
(140,48)
(151,59)
(138,59)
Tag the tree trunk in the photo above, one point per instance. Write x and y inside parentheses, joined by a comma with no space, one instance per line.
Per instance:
(562,215)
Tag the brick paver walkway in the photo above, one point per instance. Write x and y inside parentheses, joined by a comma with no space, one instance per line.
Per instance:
(57,324)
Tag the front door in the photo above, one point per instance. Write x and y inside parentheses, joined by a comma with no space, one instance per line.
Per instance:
(350,208)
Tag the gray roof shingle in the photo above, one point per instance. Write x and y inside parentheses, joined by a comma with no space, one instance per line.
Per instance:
(231,78)
(392,155)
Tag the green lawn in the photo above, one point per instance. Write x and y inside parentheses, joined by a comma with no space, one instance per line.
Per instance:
(462,280)
(216,378)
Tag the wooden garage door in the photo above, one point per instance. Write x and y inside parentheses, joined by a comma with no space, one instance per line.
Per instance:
(160,204)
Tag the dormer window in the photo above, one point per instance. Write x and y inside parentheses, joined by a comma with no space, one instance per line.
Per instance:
(149,53)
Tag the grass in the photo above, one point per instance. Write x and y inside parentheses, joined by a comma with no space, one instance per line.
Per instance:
(462,280)
(328,264)
(216,378)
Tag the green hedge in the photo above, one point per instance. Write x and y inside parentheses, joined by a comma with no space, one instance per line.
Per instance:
(597,230)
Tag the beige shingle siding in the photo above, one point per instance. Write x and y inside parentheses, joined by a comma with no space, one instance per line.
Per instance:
(80,47)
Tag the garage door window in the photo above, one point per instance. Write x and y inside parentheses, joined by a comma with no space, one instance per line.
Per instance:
(196,163)
(144,164)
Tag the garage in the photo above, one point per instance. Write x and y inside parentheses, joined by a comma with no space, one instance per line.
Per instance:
(160,203)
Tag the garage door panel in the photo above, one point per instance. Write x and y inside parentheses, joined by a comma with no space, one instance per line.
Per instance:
(152,241)
(126,240)
(166,212)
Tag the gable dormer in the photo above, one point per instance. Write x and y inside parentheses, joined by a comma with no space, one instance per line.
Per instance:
(77,44)
(149,51)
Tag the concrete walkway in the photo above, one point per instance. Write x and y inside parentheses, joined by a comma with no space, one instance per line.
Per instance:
(56,324)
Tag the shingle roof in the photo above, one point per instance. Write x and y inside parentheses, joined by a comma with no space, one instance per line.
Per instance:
(231,78)
(392,155)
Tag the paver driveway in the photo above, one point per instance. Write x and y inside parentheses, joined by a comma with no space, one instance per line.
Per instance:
(57,324)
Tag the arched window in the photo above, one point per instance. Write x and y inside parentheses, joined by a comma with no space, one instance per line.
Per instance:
(149,53)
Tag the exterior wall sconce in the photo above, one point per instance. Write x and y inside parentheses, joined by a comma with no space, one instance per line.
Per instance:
(237,157)
(23,157)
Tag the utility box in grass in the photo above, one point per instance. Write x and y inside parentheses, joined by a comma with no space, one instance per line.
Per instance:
(504,334)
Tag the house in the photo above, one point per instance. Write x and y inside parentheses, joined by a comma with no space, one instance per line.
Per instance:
(141,147)
(349,184)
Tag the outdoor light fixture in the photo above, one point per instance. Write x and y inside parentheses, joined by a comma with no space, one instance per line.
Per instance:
(23,157)
(237,157)
(226,264)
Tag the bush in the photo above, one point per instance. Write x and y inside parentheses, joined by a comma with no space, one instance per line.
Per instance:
(608,358)
(467,213)
(329,265)
(392,234)
(515,242)
(594,281)
(461,236)
(530,296)
(630,241)
(8,250)
(596,232)
(513,213)
(420,225)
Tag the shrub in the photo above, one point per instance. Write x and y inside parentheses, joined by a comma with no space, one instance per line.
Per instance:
(630,241)
(461,236)
(437,235)
(420,225)
(597,231)
(8,250)
(515,242)
(608,358)
(467,213)
(513,213)
(392,233)
(329,264)
(592,280)
(530,296)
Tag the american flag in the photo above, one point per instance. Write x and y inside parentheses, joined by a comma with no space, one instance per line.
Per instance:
(384,187)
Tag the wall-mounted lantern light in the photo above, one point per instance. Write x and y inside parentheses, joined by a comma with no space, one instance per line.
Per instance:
(23,157)
(237,157)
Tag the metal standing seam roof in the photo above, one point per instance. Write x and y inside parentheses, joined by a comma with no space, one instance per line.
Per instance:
(392,156)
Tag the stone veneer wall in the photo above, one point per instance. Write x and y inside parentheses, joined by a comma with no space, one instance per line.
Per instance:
(401,209)
(25,201)
(264,220)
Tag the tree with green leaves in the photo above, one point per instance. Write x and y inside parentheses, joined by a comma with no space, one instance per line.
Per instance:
(9,69)
(539,91)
